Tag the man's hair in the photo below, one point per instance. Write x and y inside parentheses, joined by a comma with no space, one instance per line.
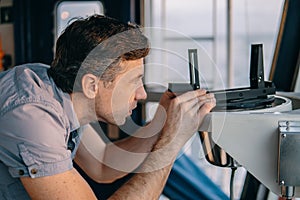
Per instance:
(95,45)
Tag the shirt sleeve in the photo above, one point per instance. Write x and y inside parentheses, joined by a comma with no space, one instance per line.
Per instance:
(33,141)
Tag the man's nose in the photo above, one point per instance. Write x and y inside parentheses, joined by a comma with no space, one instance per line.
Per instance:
(140,93)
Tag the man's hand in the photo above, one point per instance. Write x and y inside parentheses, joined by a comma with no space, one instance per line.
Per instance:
(184,114)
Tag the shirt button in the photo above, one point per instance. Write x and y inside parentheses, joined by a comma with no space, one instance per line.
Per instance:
(21,172)
(33,171)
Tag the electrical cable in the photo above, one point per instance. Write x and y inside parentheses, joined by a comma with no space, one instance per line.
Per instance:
(233,169)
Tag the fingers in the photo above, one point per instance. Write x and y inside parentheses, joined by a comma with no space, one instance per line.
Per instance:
(203,105)
(198,107)
(197,102)
(168,95)
(166,98)
(190,95)
(209,104)
(195,99)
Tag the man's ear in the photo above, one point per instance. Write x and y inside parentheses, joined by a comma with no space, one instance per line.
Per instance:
(90,85)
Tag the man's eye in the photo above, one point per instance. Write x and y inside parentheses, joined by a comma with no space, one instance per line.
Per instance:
(137,80)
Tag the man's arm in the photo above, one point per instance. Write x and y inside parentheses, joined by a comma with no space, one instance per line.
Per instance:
(105,163)
(181,124)
(67,185)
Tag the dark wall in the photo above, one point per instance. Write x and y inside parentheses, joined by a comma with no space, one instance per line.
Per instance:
(33,24)
(34,21)
(120,9)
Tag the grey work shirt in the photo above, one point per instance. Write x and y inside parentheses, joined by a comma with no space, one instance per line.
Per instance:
(36,119)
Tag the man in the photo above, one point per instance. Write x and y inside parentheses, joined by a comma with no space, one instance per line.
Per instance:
(96,76)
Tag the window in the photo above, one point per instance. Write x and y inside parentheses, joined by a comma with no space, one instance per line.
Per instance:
(202,24)
(67,11)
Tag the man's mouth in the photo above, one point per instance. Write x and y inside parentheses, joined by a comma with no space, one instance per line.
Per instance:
(131,109)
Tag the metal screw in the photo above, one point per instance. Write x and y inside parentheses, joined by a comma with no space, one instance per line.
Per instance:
(259,79)
(282,182)
(283,135)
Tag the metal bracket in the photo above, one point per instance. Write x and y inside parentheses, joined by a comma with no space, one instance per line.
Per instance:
(194,75)
(257,67)
(288,157)
(259,94)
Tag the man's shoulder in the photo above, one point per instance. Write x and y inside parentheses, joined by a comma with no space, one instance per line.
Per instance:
(25,84)
(29,71)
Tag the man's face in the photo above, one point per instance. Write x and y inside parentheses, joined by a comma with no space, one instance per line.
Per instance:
(116,101)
